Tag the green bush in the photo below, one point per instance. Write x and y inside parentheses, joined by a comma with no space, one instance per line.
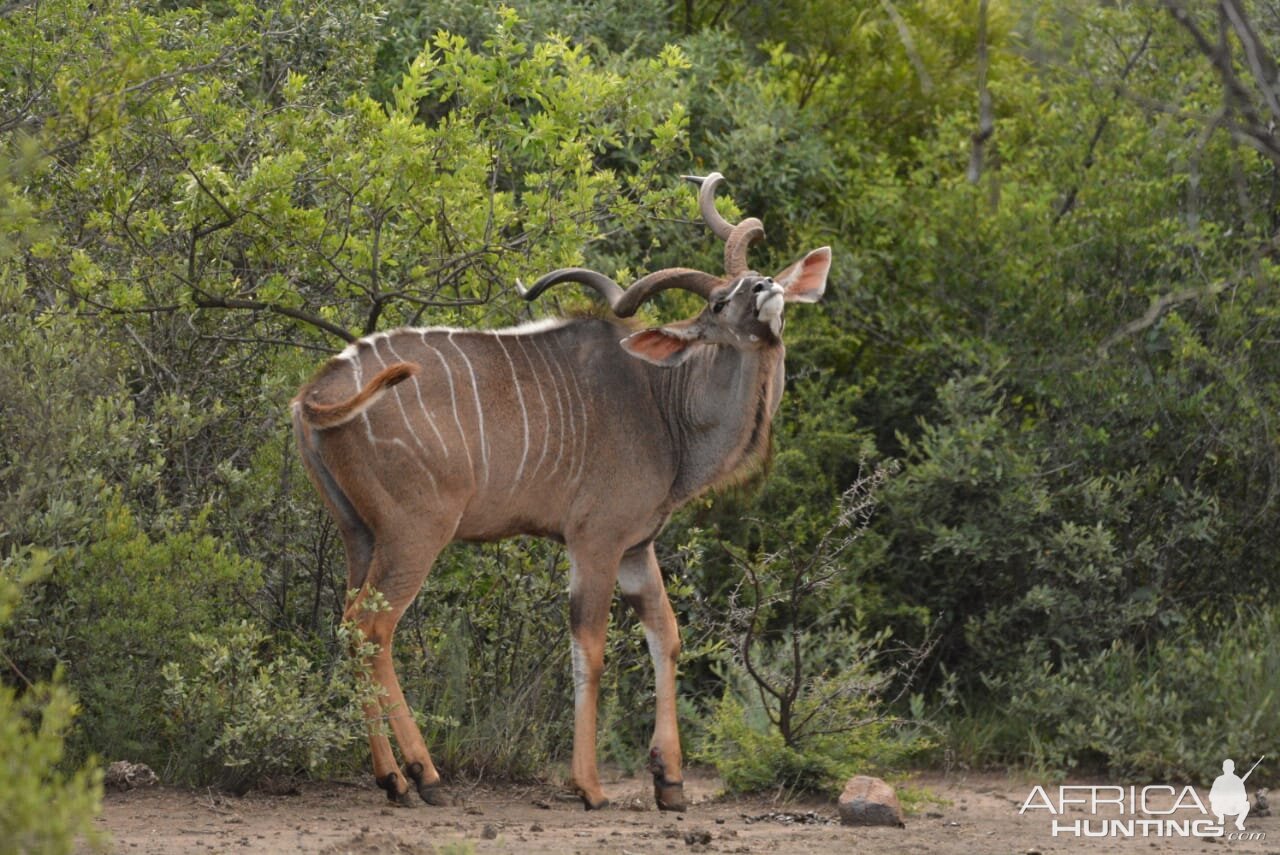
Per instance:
(45,806)
(238,719)
(842,724)
(117,603)
(1171,713)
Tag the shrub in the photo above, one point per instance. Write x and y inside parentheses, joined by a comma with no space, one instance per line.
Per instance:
(1171,713)
(844,726)
(45,807)
(805,704)
(237,719)
(119,600)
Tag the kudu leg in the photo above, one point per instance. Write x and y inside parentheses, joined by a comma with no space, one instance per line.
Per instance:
(397,575)
(591,582)
(640,581)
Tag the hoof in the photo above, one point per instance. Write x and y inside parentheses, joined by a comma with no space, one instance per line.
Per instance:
(433,792)
(389,782)
(668,794)
(588,804)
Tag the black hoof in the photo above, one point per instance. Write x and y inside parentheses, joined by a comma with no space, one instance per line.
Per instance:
(587,804)
(389,783)
(433,793)
(668,794)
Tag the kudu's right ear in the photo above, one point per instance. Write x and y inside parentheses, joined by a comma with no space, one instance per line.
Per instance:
(666,346)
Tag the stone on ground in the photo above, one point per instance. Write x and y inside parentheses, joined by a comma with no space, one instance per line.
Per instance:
(869,801)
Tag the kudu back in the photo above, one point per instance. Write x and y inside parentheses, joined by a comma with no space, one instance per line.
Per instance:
(584,431)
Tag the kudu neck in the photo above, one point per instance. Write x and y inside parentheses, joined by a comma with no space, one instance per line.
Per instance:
(718,405)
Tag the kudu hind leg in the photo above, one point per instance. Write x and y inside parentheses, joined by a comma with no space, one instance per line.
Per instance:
(640,581)
(591,584)
(397,574)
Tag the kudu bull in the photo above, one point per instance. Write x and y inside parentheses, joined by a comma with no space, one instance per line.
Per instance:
(580,430)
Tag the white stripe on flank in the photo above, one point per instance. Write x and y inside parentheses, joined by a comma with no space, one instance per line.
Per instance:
(475,392)
(546,411)
(417,390)
(524,415)
(582,457)
(364,414)
(453,401)
(553,365)
(404,414)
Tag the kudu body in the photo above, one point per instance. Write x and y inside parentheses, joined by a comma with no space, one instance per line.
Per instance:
(584,431)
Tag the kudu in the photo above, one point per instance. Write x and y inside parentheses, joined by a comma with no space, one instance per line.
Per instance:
(583,430)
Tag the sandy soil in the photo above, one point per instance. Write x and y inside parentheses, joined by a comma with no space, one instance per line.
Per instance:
(969,814)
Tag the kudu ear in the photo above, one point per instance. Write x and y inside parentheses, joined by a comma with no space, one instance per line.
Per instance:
(806,280)
(665,346)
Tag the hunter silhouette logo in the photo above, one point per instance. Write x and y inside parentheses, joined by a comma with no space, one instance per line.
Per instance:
(1227,797)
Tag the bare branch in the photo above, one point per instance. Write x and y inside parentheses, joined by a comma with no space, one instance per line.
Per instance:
(909,45)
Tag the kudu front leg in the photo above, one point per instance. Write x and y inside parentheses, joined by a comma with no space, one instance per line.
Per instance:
(641,583)
(590,596)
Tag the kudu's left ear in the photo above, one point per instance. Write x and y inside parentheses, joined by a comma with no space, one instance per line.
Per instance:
(806,280)
(665,346)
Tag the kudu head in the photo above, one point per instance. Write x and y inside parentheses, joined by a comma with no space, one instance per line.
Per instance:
(744,308)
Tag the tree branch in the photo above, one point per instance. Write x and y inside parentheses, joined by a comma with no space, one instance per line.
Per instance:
(210,301)
(986,113)
(1157,310)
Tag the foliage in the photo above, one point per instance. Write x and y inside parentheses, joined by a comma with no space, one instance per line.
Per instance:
(238,718)
(46,808)
(1070,351)
(1172,713)
(846,729)
(114,608)
(815,689)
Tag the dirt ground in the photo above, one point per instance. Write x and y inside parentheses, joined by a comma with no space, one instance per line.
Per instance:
(967,814)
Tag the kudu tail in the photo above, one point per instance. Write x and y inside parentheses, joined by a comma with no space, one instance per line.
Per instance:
(323,416)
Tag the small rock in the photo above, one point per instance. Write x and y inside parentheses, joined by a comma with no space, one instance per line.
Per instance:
(697,837)
(869,801)
(489,832)
(1261,807)
(537,826)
